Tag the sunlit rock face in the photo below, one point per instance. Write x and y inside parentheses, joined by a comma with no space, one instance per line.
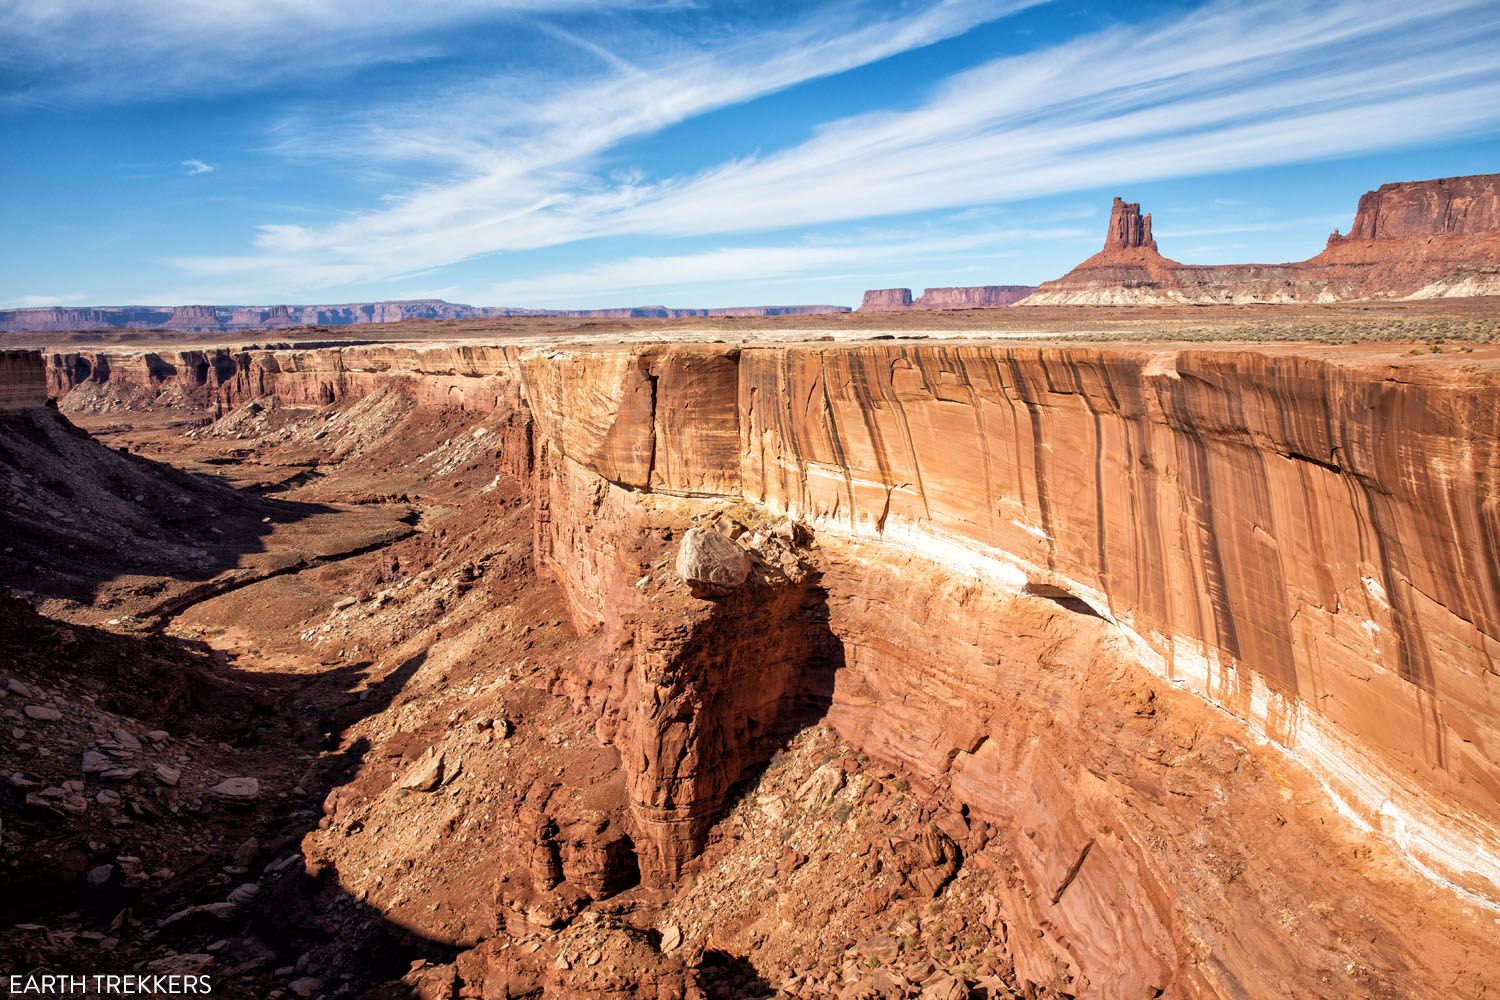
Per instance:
(1415,239)
(469,377)
(886,300)
(1262,526)
(1083,592)
(1452,206)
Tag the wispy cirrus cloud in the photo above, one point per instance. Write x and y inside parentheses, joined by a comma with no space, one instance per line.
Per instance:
(64,51)
(1226,86)
(195,167)
(1229,87)
(525,121)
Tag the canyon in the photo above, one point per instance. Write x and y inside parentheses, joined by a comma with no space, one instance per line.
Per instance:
(1072,669)
(1413,239)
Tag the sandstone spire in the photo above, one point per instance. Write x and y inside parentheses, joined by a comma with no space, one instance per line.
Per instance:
(1127,227)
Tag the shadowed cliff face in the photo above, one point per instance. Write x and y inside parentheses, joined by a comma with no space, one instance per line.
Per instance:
(1303,549)
(21,384)
(695,694)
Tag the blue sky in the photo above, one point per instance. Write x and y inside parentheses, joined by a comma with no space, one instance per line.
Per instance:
(606,152)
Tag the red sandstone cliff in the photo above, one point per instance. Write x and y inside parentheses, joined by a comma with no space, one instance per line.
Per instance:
(1417,239)
(1128,229)
(886,300)
(1274,614)
(468,377)
(1452,206)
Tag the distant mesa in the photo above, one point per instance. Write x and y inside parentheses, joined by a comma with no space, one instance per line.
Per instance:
(208,318)
(886,300)
(1411,240)
(975,297)
(665,312)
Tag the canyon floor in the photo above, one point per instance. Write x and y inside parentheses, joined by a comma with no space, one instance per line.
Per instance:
(311,680)
(289,702)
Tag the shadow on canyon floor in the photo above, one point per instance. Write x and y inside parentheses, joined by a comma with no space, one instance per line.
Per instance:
(152,871)
(97,525)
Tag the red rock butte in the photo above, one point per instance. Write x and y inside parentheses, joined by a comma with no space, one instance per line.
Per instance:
(1410,240)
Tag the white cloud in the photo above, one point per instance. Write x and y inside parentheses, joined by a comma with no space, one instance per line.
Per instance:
(514,125)
(194,167)
(42,301)
(1226,87)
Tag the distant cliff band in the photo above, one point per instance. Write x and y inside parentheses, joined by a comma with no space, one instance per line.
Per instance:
(209,318)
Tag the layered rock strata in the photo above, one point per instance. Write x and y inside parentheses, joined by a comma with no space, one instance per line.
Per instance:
(1305,546)
(22,380)
(886,300)
(220,379)
(1452,206)
(1416,239)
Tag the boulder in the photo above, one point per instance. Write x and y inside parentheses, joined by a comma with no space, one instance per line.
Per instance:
(236,790)
(425,775)
(710,563)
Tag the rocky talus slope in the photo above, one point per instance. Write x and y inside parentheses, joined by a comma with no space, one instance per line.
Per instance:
(1008,671)
(1415,239)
